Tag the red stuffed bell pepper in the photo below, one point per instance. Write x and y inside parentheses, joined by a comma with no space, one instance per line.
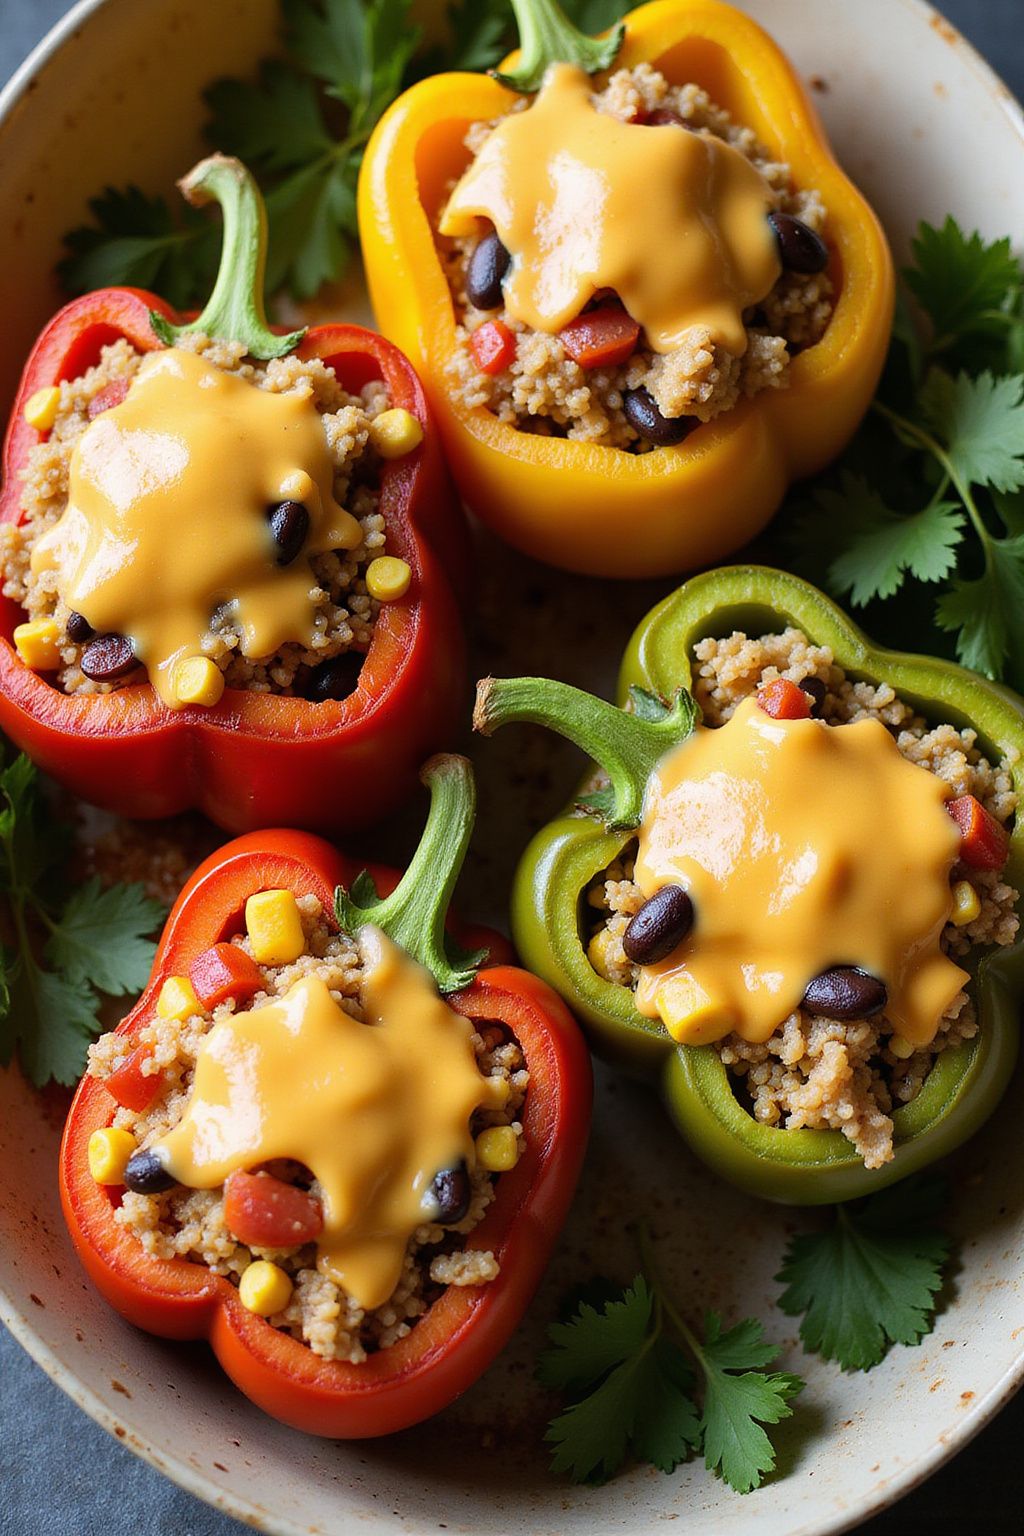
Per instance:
(349,749)
(459,1332)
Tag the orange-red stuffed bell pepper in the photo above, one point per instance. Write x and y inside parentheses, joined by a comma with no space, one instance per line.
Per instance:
(543,439)
(327,746)
(516,1176)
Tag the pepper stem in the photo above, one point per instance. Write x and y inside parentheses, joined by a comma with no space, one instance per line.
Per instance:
(236,310)
(413,916)
(546,37)
(627,745)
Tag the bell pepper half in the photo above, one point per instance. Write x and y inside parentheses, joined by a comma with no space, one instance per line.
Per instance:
(580,506)
(459,1336)
(254,759)
(805,1166)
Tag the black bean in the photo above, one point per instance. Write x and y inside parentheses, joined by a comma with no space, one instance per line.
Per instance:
(78,628)
(334,679)
(801,249)
(844,992)
(661,924)
(486,273)
(815,690)
(448,1200)
(146,1174)
(107,657)
(643,415)
(289,524)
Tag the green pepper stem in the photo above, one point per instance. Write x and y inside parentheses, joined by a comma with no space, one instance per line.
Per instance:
(236,309)
(546,37)
(628,746)
(413,916)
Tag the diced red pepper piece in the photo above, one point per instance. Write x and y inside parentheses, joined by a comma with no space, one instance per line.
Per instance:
(112,394)
(264,1212)
(784,700)
(223,972)
(493,346)
(600,338)
(130,1086)
(985,841)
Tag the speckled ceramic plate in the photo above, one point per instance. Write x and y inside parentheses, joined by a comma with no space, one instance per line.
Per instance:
(925,127)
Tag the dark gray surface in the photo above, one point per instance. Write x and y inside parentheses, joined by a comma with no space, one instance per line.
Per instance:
(60,1475)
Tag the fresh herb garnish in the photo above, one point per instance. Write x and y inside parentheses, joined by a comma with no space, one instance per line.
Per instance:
(870,1280)
(628,1368)
(932,489)
(63,946)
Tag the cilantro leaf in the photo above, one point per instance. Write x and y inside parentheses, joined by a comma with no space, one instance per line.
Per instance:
(666,1427)
(274,125)
(981,424)
(592,16)
(961,280)
(870,1279)
(593,1341)
(479,34)
(592,1436)
(882,545)
(312,217)
(984,613)
(736,1406)
(134,240)
(100,939)
(360,49)
(50,1020)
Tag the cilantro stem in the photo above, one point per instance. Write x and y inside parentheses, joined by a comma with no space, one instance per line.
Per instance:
(665,1302)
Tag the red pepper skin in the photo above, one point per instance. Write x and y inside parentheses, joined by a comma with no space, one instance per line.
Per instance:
(257,759)
(493,346)
(600,338)
(985,841)
(466,1328)
(224,971)
(265,1212)
(784,700)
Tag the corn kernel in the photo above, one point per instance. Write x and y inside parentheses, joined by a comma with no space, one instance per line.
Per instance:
(966,904)
(41,408)
(264,1288)
(394,433)
(689,1014)
(901,1048)
(198,680)
(599,954)
(497,1149)
(108,1152)
(38,644)
(177,999)
(274,926)
(387,578)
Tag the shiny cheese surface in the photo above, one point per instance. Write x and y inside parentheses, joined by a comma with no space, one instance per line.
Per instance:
(375,1109)
(674,222)
(803,846)
(168,512)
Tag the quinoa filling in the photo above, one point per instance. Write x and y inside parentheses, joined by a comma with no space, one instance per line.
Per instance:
(190,1224)
(344,612)
(543,390)
(813,1071)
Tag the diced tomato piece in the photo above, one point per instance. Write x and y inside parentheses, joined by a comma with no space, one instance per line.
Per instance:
(985,841)
(784,700)
(130,1086)
(222,972)
(600,338)
(112,394)
(264,1212)
(493,346)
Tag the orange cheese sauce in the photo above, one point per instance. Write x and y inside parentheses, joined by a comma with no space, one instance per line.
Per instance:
(168,514)
(802,846)
(674,222)
(375,1109)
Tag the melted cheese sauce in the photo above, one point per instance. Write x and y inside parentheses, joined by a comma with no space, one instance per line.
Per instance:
(168,509)
(802,846)
(674,222)
(375,1110)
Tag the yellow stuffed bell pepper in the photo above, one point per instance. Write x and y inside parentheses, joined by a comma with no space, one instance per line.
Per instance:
(583,505)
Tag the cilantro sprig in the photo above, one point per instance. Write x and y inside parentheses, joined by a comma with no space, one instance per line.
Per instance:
(62,947)
(630,1368)
(301,126)
(871,1278)
(930,496)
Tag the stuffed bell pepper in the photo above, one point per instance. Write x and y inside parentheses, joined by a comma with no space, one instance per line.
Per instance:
(226,555)
(323,1139)
(790,888)
(642,295)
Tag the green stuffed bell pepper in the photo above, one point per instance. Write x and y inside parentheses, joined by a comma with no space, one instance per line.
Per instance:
(928,1099)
